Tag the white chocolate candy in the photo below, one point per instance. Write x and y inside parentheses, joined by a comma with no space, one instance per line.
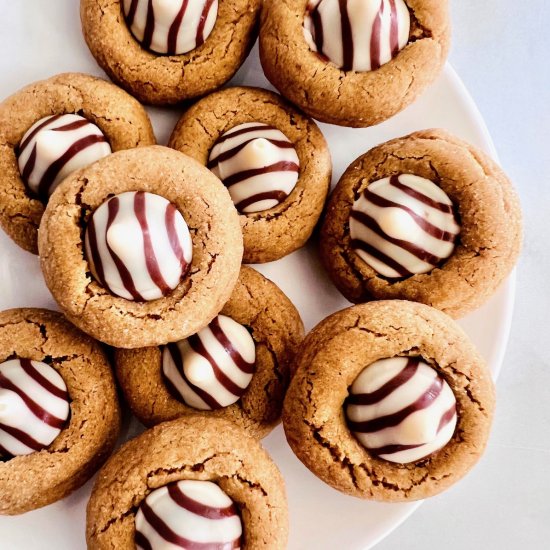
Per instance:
(188,514)
(257,163)
(213,368)
(398,223)
(34,406)
(357,35)
(138,246)
(56,146)
(403,225)
(401,409)
(171,27)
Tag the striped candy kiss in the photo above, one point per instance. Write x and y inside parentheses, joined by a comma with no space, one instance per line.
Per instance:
(172,27)
(357,35)
(401,409)
(56,146)
(403,225)
(138,246)
(34,406)
(194,515)
(257,163)
(213,368)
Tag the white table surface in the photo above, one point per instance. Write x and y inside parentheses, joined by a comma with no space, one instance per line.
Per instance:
(501,50)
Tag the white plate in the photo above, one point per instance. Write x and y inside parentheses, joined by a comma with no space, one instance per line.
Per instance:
(41,40)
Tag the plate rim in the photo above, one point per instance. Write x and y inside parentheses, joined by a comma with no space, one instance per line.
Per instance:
(497,356)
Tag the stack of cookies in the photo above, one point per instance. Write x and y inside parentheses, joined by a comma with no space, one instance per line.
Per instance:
(143,248)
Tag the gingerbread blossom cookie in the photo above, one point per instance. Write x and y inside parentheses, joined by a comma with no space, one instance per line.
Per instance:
(195,482)
(59,414)
(426,217)
(390,402)
(141,248)
(273,160)
(238,367)
(52,128)
(167,51)
(353,62)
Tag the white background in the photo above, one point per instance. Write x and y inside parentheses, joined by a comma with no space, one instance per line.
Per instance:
(501,49)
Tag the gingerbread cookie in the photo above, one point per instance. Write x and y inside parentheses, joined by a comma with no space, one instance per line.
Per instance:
(353,62)
(59,414)
(426,217)
(273,160)
(192,480)
(390,402)
(164,52)
(141,248)
(52,128)
(238,367)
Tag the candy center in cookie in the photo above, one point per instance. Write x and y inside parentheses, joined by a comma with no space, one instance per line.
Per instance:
(34,406)
(172,27)
(357,35)
(56,146)
(257,163)
(401,409)
(188,514)
(403,225)
(138,246)
(213,368)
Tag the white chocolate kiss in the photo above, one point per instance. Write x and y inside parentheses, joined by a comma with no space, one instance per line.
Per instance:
(403,225)
(402,383)
(197,512)
(34,406)
(193,366)
(56,146)
(379,30)
(143,253)
(398,224)
(257,163)
(175,26)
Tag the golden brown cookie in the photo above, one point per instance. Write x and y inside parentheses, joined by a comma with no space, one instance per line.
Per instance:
(210,226)
(250,114)
(277,331)
(404,48)
(40,340)
(161,78)
(332,357)
(487,212)
(191,448)
(119,116)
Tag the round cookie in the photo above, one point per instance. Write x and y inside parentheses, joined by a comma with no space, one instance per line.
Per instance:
(353,92)
(29,481)
(215,234)
(192,448)
(273,233)
(121,119)
(277,331)
(331,359)
(161,78)
(487,211)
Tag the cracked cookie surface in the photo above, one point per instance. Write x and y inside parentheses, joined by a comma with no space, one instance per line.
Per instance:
(217,248)
(40,478)
(274,233)
(167,79)
(196,448)
(333,355)
(488,209)
(277,330)
(118,115)
(351,98)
